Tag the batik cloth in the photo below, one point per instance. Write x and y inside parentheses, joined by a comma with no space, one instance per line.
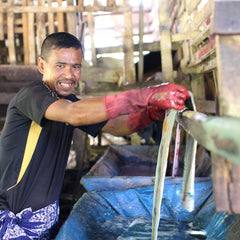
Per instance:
(25,225)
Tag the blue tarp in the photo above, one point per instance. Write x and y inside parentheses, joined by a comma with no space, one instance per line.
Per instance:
(110,214)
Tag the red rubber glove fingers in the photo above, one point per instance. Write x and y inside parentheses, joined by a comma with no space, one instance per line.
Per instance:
(169,96)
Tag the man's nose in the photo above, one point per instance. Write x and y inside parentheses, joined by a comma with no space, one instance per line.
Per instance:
(68,72)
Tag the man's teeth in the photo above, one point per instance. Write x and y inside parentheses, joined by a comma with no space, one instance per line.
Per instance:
(66,84)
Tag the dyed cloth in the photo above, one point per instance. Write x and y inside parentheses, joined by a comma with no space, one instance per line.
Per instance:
(40,224)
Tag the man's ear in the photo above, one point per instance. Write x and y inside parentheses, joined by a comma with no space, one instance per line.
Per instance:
(41,65)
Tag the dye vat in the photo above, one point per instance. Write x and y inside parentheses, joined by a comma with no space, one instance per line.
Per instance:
(126,214)
(123,167)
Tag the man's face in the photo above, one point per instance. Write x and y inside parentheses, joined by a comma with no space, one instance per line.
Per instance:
(62,69)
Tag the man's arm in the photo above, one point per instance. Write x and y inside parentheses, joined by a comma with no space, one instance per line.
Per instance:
(98,109)
(117,126)
(83,112)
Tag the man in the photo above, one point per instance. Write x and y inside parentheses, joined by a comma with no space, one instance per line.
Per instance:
(36,138)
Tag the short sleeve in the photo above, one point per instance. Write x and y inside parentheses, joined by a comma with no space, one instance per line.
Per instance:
(33,101)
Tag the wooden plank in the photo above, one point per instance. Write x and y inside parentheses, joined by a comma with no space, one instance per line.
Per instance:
(198,87)
(228,57)
(166,42)
(206,106)
(19,73)
(202,15)
(129,68)
(192,5)
(203,53)
(221,180)
(60,18)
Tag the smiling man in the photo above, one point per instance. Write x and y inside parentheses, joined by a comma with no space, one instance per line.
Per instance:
(36,138)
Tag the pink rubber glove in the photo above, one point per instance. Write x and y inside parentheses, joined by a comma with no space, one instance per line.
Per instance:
(137,121)
(164,96)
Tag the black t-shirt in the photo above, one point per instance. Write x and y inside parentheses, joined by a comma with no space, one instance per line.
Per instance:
(41,177)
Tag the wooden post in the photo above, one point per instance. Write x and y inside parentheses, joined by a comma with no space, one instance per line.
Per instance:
(25,34)
(41,28)
(71,20)
(1,24)
(31,37)
(60,18)
(165,42)
(129,68)
(227,30)
(91,33)
(141,33)
(198,87)
(50,19)
(10,35)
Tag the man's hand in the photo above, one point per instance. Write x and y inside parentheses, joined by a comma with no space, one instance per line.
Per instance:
(163,96)
(169,95)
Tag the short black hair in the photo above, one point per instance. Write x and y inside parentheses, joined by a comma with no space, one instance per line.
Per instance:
(59,40)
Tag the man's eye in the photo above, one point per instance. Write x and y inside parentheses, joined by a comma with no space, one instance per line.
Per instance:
(60,65)
(77,66)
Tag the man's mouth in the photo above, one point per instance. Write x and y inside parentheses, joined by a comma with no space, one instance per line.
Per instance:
(66,84)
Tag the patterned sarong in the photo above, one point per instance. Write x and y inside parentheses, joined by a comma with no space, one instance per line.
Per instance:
(25,225)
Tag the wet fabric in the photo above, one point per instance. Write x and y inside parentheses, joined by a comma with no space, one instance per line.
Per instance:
(40,224)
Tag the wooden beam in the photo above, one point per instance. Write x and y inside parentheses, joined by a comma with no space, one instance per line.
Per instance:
(217,134)
(39,9)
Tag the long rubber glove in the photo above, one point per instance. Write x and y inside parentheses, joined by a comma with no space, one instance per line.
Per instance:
(137,121)
(164,96)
